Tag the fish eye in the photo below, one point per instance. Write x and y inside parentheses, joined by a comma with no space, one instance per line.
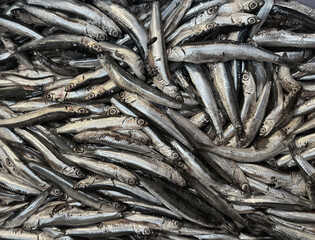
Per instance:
(177,223)
(211,10)
(78,149)
(179,98)
(91,95)
(113,111)
(175,155)
(245,187)
(69,86)
(81,111)
(263,131)
(79,173)
(49,96)
(141,122)
(118,206)
(114,33)
(251,20)
(101,37)
(253,5)
(147,231)
(245,77)
(96,47)
(57,191)
(209,25)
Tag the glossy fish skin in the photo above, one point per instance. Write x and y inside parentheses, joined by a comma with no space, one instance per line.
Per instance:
(203,5)
(274,116)
(18,233)
(283,39)
(126,55)
(220,52)
(117,122)
(128,82)
(69,24)
(69,216)
(158,143)
(42,115)
(128,21)
(175,202)
(67,186)
(15,26)
(156,115)
(108,228)
(157,56)
(12,183)
(222,81)
(223,166)
(251,126)
(96,183)
(103,168)
(85,78)
(147,164)
(205,16)
(114,139)
(10,46)
(50,154)
(275,143)
(19,169)
(29,210)
(197,124)
(205,91)
(85,10)
(305,166)
(174,18)
(61,41)
(190,33)
(163,224)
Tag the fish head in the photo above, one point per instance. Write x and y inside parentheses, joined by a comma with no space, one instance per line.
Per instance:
(175,53)
(92,44)
(251,5)
(31,223)
(96,33)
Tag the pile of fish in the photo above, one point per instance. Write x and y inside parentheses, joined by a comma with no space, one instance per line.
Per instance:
(170,119)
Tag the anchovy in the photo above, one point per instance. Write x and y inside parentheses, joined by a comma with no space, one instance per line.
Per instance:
(12,25)
(29,210)
(110,184)
(67,186)
(208,52)
(85,10)
(117,122)
(128,82)
(157,56)
(103,168)
(69,24)
(128,22)
(39,116)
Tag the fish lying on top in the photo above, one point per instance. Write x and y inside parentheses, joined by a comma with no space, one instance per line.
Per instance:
(157,119)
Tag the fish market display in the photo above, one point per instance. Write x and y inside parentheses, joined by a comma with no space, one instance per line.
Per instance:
(157,119)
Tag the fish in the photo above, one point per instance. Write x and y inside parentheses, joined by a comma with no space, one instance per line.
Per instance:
(157,119)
